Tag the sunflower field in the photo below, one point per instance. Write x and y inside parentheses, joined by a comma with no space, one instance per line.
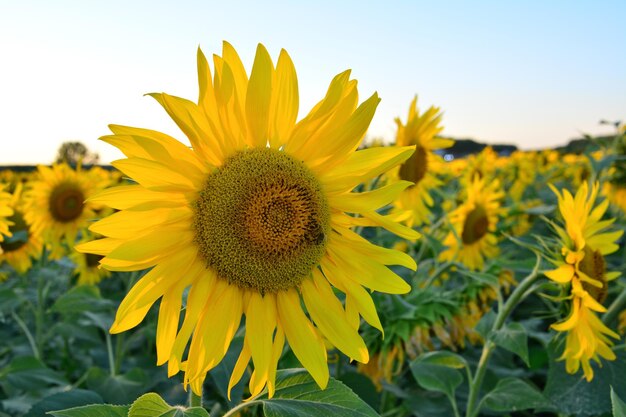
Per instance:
(263,264)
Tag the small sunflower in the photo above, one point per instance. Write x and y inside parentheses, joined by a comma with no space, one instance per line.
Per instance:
(582,271)
(482,165)
(58,208)
(473,224)
(255,218)
(421,131)
(87,265)
(23,244)
(5,212)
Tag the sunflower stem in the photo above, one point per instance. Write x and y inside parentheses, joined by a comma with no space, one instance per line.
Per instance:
(39,317)
(195,400)
(615,308)
(29,335)
(516,297)
(107,336)
(235,410)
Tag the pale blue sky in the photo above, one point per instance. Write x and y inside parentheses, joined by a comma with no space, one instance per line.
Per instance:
(533,73)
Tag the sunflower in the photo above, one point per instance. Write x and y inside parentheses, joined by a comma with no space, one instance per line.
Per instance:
(58,210)
(419,130)
(87,265)
(5,212)
(23,244)
(473,224)
(482,164)
(255,217)
(582,271)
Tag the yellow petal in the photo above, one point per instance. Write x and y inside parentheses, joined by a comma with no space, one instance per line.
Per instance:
(131,196)
(240,367)
(148,289)
(302,337)
(260,324)
(285,102)
(258,98)
(563,274)
(329,316)
(368,201)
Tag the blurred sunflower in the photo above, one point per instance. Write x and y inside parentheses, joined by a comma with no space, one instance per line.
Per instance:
(585,240)
(5,212)
(252,217)
(413,203)
(57,207)
(23,245)
(473,224)
(87,265)
(482,165)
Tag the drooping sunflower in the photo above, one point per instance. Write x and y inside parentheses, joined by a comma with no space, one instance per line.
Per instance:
(585,240)
(255,217)
(420,130)
(5,212)
(24,244)
(58,209)
(473,224)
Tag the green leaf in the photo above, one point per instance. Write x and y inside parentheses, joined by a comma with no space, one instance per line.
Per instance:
(435,376)
(8,300)
(513,338)
(297,395)
(119,389)
(540,210)
(80,299)
(574,395)
(96,410)
(152,405)
(619,407)
(29,373)
(362,386)
(514,394)
(444,358)
(485,324)
(64,400)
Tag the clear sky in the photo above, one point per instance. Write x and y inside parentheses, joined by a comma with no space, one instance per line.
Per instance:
(532,73)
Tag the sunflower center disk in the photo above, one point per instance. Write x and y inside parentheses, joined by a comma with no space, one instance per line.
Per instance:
(261,220)
(66,203)
(19,230)
(476,226)
(415,168)
(593,265)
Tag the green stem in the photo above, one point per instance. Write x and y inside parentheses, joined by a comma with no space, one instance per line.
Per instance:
(107,336)
(234,410)
(518,295)
(615,308)
(455,409)
(119,347)
(39,317)
(29,336)
(436,273)
(194,399)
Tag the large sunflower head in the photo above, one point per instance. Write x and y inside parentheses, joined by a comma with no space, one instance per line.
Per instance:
(22,243)
(58,208)
(581,270)
(474,223)
(255,217)
(420,130)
